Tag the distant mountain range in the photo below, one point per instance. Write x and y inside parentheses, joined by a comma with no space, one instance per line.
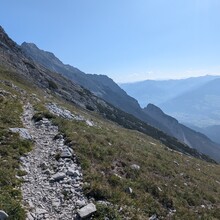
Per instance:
(161,91)
(200,106)
(105,88)
(193,101)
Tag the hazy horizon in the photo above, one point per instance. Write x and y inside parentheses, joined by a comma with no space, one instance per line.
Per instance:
(128,41)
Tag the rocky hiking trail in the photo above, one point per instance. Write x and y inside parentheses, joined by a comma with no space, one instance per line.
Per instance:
(52,187)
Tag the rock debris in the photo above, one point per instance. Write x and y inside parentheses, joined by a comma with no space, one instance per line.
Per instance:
(53,182)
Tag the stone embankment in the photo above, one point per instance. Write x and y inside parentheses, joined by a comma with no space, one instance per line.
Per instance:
(53,182)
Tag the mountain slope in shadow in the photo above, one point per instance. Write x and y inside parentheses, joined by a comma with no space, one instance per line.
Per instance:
(181,132)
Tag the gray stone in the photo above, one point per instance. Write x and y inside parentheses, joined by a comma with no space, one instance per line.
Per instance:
(153,217)
(129,190)
(40,211)
(53,108)
(29,216)
(87,210)
(66,153)
(56,202)
(23,132)
(47,172)
(90,123)
(3,215)
(105,203)
(135,167)
(58,176)
(80,203)
(30,204)
(72,172)
(176,162)
(43,166)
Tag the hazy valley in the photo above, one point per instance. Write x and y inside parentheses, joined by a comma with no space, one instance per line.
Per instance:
(193,101)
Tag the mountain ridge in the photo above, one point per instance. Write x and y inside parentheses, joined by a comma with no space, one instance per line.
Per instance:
(162,90)
(68,90)
(107,89)
(92,82)
(183,133)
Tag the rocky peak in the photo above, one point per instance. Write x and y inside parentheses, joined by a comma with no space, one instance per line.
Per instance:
(2,33)
(100,85)
(153,108)
(6,42)
(43,57)
(157,113)
(29,45)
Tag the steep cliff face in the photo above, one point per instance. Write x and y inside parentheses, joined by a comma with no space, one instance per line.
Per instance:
(186,135)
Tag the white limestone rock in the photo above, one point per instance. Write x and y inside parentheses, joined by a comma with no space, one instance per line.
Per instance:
(72,172)
(135,167)
(87,210)
(23,132)
(58,176)
(66,153)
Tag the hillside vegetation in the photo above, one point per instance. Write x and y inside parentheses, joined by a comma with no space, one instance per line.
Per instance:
(11,149)
(165,183)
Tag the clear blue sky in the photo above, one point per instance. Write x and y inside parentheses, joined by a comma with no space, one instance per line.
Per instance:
(128,40)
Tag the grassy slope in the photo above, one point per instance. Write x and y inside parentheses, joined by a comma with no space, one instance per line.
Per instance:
(11,148)
(107,149)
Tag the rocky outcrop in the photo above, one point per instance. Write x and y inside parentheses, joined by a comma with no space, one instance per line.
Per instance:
(22,132)
(64,113)
(53,182)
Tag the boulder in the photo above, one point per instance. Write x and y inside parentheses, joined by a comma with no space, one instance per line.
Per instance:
(80,203)
(66,153)
(29,216)
(72,172)
(56,202)
(40,211)
(58,176)
(87,210)
(23,132)
(135,167)
(90,123)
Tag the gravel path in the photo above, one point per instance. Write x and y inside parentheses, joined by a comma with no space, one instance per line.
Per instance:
(53,184)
